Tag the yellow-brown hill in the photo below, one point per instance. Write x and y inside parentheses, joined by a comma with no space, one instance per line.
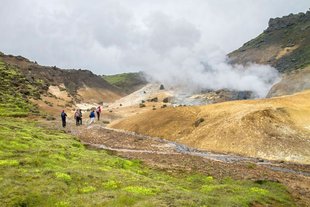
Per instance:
(277,128)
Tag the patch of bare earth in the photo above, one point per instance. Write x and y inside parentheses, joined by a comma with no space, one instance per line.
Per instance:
(276,128)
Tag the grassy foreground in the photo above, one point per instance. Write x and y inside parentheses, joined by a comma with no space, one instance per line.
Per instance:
(40,167)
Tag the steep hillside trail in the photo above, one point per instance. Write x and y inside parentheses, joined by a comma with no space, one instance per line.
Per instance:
(173,157)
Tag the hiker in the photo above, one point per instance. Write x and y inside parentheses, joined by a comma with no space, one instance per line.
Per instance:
(63,118)
(92,116)
(98,111)
(80,113)
(77,117)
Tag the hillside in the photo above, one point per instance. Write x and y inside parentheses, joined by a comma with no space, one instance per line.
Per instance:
(70,83)
(276,128)
(15,92)
(285,45)
(53,89)
(127,82)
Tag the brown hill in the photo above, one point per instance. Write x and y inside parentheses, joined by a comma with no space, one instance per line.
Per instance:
(285,45)
(63,88)
(277,128)
(72,80)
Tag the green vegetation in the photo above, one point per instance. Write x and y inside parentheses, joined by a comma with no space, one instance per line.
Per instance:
(41,167)
(15,90)
(128,82)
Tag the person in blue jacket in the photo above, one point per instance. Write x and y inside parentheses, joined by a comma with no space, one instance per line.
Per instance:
(92,116)
(63,118)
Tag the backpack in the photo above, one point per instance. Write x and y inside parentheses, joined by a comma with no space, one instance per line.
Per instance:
(77,114)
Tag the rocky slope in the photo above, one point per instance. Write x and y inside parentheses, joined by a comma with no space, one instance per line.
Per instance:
(285,45)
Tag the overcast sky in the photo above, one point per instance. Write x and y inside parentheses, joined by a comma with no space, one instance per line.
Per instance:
(110,36)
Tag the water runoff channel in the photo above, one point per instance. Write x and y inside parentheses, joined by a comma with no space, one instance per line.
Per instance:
(176,148)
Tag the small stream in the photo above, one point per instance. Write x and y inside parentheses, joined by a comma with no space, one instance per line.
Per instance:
(176,148)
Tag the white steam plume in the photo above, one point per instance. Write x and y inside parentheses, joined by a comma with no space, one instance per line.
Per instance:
(195,73)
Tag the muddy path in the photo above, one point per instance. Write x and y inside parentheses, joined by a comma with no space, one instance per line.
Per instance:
(172,157)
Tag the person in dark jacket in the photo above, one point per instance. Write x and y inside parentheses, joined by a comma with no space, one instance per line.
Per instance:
(92,116)
(98,111)
(80,116)
(63,118)
(77,117)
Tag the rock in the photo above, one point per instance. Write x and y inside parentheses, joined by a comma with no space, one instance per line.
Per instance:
(161,87)
(199,121)
(21,58)
(286,21)
(166,100)
(141,105)
(50,118)
(163,106)
(153,99)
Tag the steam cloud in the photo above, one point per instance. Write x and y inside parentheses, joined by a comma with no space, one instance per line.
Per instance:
(180,46)
(193,75)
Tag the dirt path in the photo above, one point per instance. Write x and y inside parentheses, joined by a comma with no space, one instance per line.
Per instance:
(174,158)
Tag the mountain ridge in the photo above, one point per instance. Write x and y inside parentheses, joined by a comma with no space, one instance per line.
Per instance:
(285,45)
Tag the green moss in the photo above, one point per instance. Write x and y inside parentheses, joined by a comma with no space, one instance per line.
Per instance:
(63,176)
(87,189)
(8,162)
(123,200)
(62,204)
(259,191)
(111,184)
(41,167)
(140,190)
